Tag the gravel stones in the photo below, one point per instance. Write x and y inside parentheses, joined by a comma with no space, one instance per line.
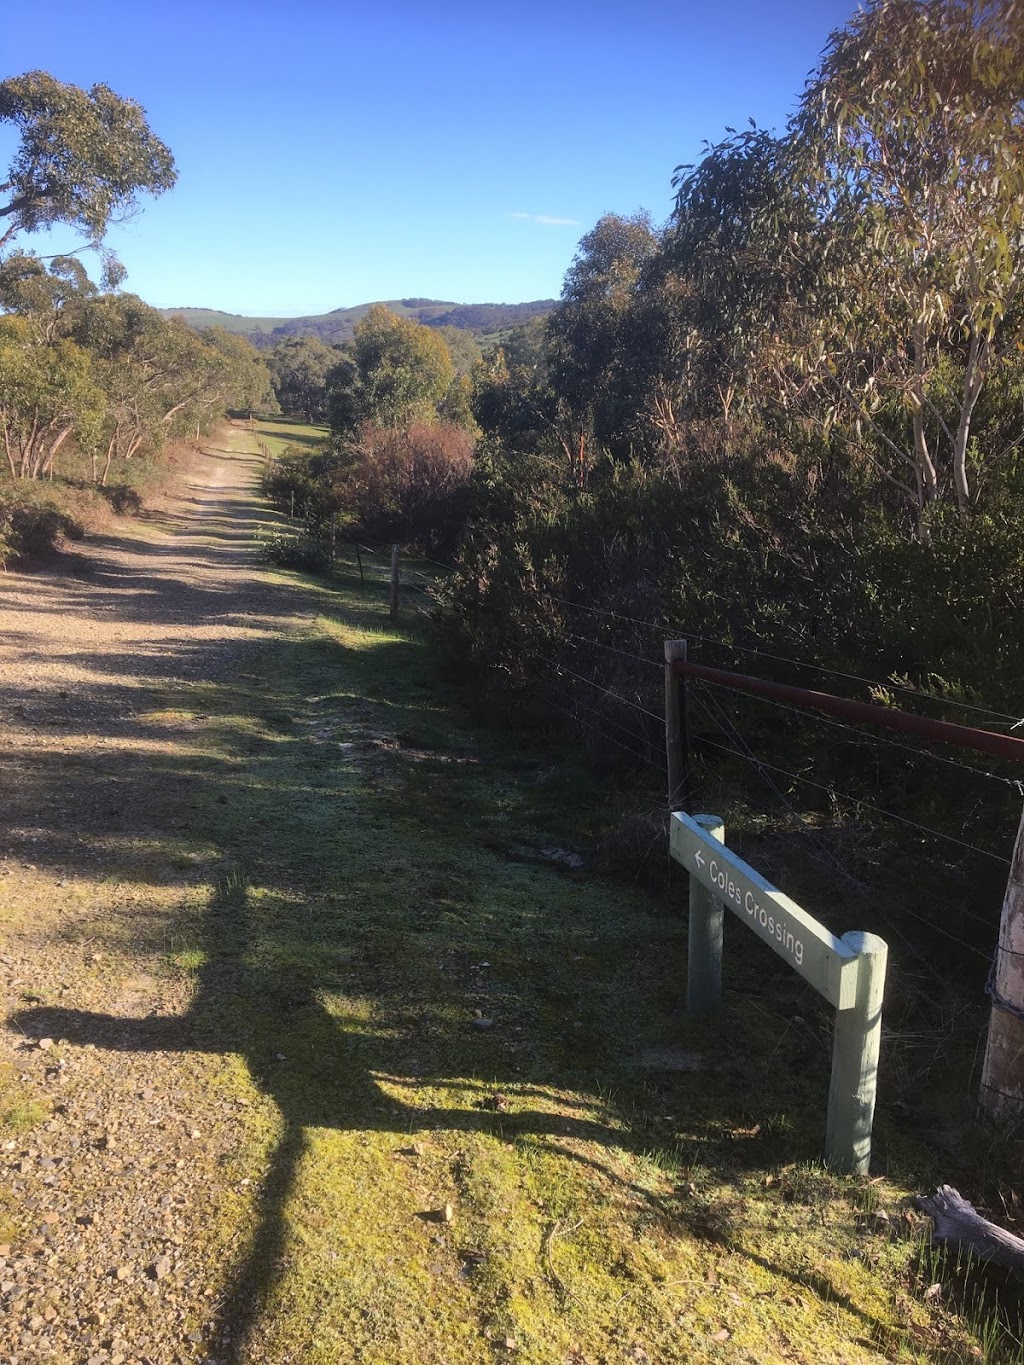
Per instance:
(114,1249)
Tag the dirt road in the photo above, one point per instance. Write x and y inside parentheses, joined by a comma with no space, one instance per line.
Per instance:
(113,1158)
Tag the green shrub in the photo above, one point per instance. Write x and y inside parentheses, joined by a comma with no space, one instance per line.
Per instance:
(29,529)
(123,498)
(304,553)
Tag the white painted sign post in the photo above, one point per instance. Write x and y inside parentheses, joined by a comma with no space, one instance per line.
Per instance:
(849,972)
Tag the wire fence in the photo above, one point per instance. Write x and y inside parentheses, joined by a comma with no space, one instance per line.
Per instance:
(933,885)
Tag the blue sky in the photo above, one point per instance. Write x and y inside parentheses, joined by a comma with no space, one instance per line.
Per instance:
(334,153)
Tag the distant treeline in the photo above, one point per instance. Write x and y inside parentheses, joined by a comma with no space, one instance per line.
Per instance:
(338,327)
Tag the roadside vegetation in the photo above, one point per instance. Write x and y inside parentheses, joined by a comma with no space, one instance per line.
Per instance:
(787,425)
(95,386)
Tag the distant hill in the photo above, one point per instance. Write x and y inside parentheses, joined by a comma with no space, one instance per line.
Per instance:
(482,319)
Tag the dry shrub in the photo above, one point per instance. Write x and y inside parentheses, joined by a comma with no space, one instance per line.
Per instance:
(637,847)
(408,484)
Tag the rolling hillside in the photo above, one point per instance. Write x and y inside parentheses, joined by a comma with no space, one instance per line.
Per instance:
(336,327)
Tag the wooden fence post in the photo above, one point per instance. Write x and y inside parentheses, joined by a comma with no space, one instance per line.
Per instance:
(1002,1080)
(855,1045)
(334,536)
(704,936)
(395,550)
(675,724)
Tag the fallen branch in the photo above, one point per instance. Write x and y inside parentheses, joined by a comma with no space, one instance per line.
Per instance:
(957,1223)
(553,1276)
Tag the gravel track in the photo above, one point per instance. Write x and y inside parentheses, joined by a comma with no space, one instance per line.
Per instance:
(120,1199)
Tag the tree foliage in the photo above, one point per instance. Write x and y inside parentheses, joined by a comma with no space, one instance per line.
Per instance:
(396,373)
(299,367)
(106,370)
(83,156)
(793,420)
(909,140)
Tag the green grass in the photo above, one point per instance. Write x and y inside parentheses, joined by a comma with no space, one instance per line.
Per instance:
(375,889)
(278,433)
(19,1112)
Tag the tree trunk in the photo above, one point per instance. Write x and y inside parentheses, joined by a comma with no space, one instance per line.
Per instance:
(9,452)
(957,1223)
(27,448)
(925,465)
(54,450)
(106,466)
(974,378)
(1002,1079)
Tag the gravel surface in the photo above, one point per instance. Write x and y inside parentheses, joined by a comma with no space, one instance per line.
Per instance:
(126,1158)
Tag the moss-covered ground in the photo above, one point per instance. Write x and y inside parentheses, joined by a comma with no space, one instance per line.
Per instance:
(448,1023)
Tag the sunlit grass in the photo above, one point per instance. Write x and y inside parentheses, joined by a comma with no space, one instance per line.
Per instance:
(597,1208)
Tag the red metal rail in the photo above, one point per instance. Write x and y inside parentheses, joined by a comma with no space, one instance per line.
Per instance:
(963,736)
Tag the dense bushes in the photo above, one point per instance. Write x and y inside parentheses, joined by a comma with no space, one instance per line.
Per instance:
(405,484)
(30,527)
(784,427)
(306,553)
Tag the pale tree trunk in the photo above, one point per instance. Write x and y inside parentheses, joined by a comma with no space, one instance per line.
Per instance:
(928,483)
(927,478)
(974,379)
(9,452)
(106,465)
(27,447)
(1002,1080)
(54,451)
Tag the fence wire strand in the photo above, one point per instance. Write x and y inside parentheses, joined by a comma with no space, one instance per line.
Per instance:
(867,893)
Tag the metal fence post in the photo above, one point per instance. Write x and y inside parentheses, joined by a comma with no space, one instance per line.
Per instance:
(704,941)
(858,1032)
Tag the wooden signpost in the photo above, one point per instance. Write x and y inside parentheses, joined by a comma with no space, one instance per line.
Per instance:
(848,971)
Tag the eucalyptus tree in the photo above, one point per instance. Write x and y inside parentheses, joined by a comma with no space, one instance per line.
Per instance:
(396,372)
(83,157)
(589,367)
(908,139)
(53,295)
(742,254)
(234,375)
(299,367)
(48,393)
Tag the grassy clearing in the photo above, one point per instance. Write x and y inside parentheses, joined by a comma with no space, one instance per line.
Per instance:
(446,1021)
(278,433)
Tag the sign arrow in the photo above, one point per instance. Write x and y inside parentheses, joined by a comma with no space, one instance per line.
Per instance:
(698,858)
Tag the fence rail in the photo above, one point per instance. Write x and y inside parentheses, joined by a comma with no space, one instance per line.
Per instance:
(942,731)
